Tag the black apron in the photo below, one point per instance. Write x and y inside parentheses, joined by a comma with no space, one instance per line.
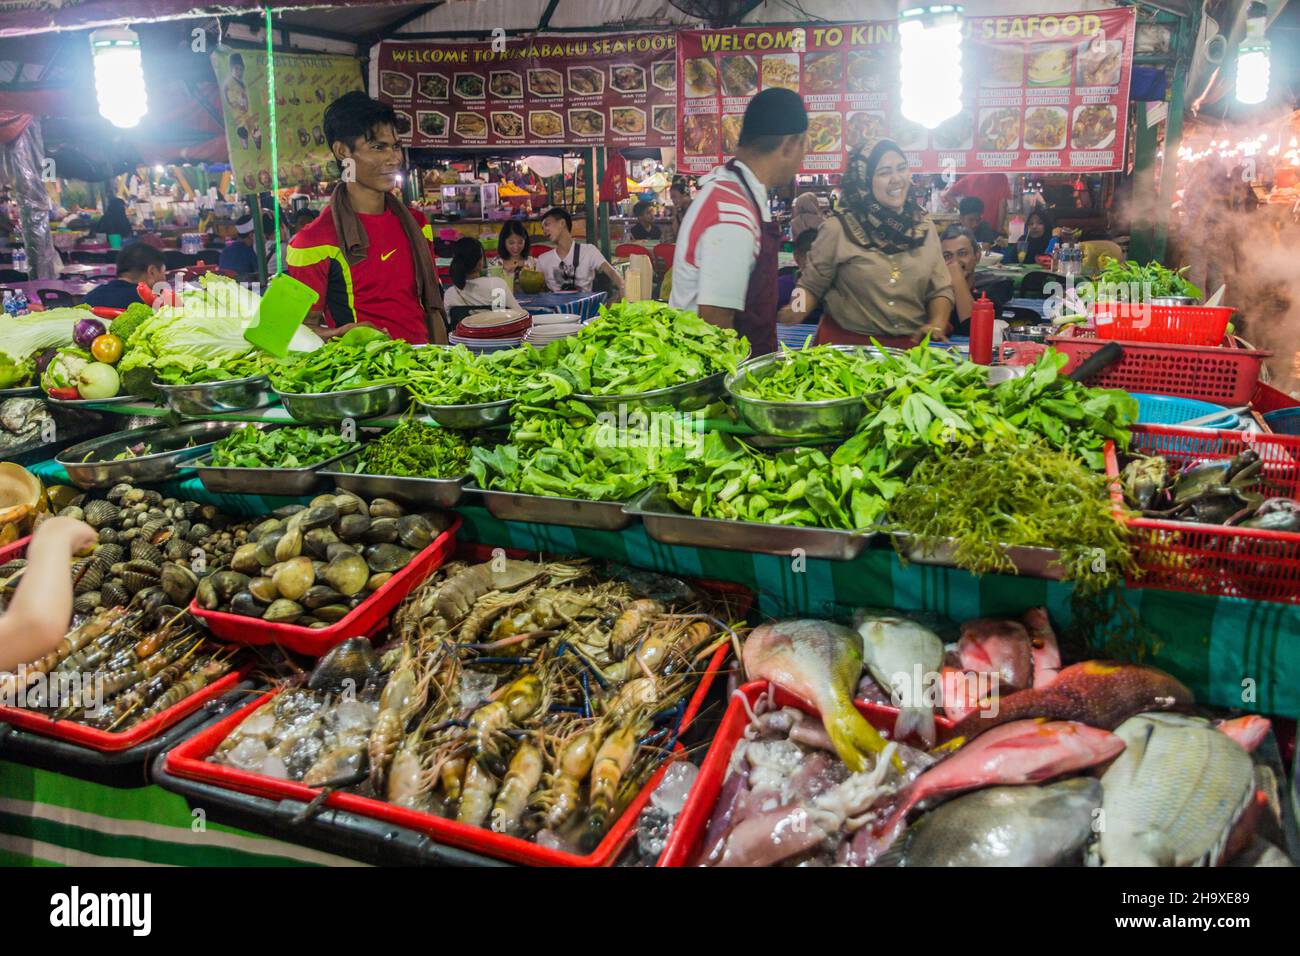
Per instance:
(757,322)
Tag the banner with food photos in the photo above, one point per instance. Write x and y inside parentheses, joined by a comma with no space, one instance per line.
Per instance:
(1041,93)
(304,85)
(615,90)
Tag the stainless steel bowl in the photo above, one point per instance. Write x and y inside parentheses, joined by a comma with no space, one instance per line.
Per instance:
(482,415)
(1174,300)
(801,421)
(327,408)
(172,452)
(210,398)
(686,398)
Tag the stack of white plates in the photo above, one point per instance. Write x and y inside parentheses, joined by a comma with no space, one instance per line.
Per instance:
(486,345)
(548,328)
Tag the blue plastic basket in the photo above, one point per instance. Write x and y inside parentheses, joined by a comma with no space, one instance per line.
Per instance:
(1170,410)
(1284,421)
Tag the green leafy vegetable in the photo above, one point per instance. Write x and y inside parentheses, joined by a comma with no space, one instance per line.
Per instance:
(26,336)
(254,363)
(136,314)
(457,376)
(817,374)
(250,447)
(1130,282)
(415,449)
(360,358)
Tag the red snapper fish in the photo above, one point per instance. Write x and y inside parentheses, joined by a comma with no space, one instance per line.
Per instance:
(1098,693)
(1043,647)
(1023,752)
(1000,648)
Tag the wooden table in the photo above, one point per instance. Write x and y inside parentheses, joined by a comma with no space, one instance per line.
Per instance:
(83,270)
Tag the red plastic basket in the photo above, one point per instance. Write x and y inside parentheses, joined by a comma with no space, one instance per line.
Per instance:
(1165,324)
(15,549)
(1214,559)
(1219,374)
(365,619)
(683,847)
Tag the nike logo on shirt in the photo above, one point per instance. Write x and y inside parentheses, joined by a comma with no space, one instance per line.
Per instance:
(384,257)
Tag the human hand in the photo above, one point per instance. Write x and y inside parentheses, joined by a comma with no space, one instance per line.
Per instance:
(935,334)
(76,536)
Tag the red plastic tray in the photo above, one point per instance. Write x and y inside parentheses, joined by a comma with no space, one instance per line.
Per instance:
(190,760)
(1214,559)
(15,549)
(365,619)
(683,846)
(1166,324)
(1227,376)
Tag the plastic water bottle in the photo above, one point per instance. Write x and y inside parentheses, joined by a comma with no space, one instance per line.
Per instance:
(20,259)
(23,305)
(10,305)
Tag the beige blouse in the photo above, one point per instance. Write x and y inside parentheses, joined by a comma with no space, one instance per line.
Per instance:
(856,288)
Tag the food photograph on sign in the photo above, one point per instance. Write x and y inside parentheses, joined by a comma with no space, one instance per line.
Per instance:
(506,84)
(432,86)
(664,74)
(731,123)
(586,81)
(471,125)
(825,132)
(396,85)
(1003,67)
(545,83)
(958,132)
(431,123)
(627,120)
(999,129)
(908,135)
(469,86)
(1045,127)
(739,76)
(664,119)
(868,71)
(1050,66)
(403,126)
(864,127)
(821,73)
(781,70)
(700,134)
(586,123)
(507,124)
(627,78)
(1093,127)
(701,77)
(545,123)
(1099,63)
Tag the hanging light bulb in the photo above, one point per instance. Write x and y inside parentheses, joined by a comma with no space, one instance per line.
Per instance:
(1253,58)
(930,63)
(119,76)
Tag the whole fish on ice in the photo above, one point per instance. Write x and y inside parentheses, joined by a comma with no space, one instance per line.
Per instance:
(819,661)
(897,651)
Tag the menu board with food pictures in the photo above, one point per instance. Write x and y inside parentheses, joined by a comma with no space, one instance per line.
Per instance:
(1041,93)
(304,86)
(617,90)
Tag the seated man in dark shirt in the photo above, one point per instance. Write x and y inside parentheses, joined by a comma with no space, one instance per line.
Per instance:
(645,227)
(136,263)
(971,211)
(960,254)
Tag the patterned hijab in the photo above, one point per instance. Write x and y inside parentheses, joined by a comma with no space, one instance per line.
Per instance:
(865,220)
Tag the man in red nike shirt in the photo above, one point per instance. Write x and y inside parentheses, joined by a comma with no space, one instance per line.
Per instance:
(367,256)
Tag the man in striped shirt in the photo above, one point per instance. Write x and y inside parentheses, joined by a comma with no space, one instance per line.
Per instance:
(725,265)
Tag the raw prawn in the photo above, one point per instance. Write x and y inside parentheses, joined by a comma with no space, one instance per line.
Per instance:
(521,780)
(476,796)
(561,800)
(519,701)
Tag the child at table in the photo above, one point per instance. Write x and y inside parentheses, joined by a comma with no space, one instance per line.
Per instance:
(38,616)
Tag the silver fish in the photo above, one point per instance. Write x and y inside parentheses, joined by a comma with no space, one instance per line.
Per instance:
(896,650)
(1172,797)
(1005,826)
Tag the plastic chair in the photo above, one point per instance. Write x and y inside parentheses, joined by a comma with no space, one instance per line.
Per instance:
(179,260)
(56,298)
(666,251)
(627,249)
(538,249)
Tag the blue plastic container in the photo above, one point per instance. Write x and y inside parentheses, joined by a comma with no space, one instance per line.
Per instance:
(1169,410)
(1284,421)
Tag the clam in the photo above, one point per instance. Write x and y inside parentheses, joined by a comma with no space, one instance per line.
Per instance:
(143,566)
(348,503)
(326,499)
(378,580)
(319,595)
(316,541)
(414,532)
(206,594)
(114,494)
(321,516)
(110,554)
(245,604)
(72,511)
(265,527)
(245,559)
(99,513)
(282,611)
(228,583)
(387,557)
(318,625)
(87,602)
(289,546)
(88,575)
(347,573)
(199,531)
(384,508)
(177,549)
(332,613)
(156,530)
(353,527)
(266,546)
(114,595)
(107,535)
(335,550)
(142,550)
(294,578)
(382,531)
(152,598)
(135,582)
(288,511)
(354,660)
(179,582)
(263,589)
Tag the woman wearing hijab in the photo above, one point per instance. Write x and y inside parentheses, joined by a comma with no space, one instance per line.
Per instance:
(806,214)
(876,266)
(1037,240)
(114,221)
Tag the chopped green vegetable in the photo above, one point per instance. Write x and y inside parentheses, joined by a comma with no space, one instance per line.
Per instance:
(360,358)
(250,447)
(457,376)
(817,374)
(254,363)
(415,449)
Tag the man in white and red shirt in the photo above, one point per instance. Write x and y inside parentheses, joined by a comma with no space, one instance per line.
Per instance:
(725,267)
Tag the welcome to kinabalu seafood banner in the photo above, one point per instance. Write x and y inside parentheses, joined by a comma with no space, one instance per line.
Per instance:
(304,85)
(613,90)
(1042,93)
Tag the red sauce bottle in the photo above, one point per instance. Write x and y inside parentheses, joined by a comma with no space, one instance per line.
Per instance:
(981,331)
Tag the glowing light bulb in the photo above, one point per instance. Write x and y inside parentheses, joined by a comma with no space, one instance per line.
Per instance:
(930,70)
(119,76)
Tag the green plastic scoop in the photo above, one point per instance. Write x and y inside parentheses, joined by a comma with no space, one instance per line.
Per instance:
(285,305)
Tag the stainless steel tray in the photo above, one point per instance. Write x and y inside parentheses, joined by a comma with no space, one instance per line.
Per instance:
(328,408)
(264,481)
(482,415)
(1028,562)
(414,492)
(209,398)
(687,397)
(21,391)
(91,403)
(667,524)
(543,509)
(102,471)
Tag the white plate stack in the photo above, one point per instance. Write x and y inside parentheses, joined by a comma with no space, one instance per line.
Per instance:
(548,328)
(491,331)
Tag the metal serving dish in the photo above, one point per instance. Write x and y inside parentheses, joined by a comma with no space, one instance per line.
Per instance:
(1174,300)
(328,408)
(667,524)
(413,492)
(264,481)
(544,509)
(686,398)
(22,391)
(798,421)
(210,398)
(482,415)
(1028,562)
(102,471)
(92,403)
